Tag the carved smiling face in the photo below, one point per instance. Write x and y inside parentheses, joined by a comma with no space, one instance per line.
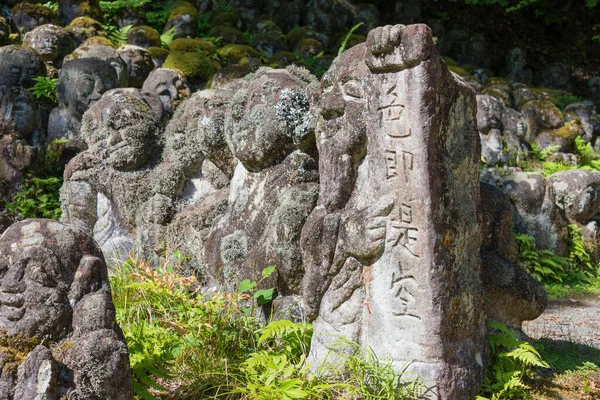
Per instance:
(169,85)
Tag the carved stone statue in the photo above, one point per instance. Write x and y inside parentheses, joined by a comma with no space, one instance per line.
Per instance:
(80,84)
(19,65)
(105,185)
(52,42)
(392,261)
(270,130)
(22,138)
(105,53)
(139,64)
(169,85)
(55,304)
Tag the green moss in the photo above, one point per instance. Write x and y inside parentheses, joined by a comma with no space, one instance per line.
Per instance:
(457,70)
(283,58)
(98,40)
(149,32)
(158,52)
(295,35)
(192,45)
(309,47)
(15,348)
(184,8)
(85,22)
(229,34)
(193,65)
(235,52)
(570,130)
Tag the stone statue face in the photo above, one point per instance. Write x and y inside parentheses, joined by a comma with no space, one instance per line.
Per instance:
(124,124)
(19,65)
(169,85)
(83,82)
(258,136)
(51,42)
(105,53)
(19,112)
(38,261)
(139,64)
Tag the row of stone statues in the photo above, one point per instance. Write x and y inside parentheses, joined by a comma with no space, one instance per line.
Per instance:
(362,190)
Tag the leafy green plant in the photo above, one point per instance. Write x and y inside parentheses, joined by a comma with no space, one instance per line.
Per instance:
(159,14)
(204,21)
(262,296)
(222,6)
(110,8)
(347,37)
(167,37)
(44,87)
(37,199)
(52,5)
(542,264)
(118,36)
(512,361)
(367,377)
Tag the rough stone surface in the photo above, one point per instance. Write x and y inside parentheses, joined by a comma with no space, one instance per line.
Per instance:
(536,214)
(54,290)
(391,256)
(52,42)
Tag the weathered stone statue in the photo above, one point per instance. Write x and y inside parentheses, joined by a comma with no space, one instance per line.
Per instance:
(52,42)
(58,335)
(169,85)
(19,65)
(270,130)
(22,139)
(191,184)
(391,252)
(106,184)
(105,53)
(80,84)
(139,64)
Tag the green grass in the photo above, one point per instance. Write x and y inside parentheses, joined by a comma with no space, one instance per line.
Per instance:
(189,344)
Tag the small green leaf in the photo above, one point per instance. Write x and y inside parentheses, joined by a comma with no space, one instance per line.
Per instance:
(246,285)
(267,272)
(263,296)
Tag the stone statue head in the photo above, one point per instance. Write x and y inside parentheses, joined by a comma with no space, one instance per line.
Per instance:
(105,53)
(45,268)
(123,127)
(269,117)
(139,64)
(19,65)
(169,85)
(19,113)
(82,82)
(52,42)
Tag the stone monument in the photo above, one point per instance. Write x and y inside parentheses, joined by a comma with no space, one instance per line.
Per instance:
(392,262)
